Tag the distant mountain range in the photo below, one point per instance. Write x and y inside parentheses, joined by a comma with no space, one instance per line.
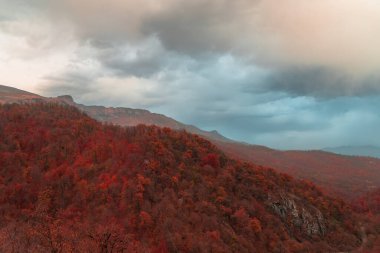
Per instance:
(371,151)
(344,176)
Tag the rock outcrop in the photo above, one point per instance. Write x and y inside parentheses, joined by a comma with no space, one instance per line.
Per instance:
(298,215)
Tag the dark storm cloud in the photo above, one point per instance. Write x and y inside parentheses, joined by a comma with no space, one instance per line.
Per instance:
(142,60)
(141,67)
(301,122)
(196,27)
(253,123)
(321,82)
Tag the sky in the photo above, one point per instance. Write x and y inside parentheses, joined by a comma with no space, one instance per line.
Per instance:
(289,74)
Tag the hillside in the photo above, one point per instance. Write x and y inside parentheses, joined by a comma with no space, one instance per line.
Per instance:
(71,184)
(133,117)
(13,95)
(116,115)
(343,176)
(368,206)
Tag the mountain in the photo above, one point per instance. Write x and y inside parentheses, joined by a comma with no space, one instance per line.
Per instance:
(343,176)
(13,95)
(133,117)
(71,184)
(118,115)
(370,151)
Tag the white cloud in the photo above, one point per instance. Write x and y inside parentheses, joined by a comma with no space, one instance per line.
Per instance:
(29,51)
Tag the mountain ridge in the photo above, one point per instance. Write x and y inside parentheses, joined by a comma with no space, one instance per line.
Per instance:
(367,150)
(343,176)
(116,115)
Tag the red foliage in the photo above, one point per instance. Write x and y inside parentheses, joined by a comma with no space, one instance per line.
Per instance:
(212,160)
(347,177)
(71,184)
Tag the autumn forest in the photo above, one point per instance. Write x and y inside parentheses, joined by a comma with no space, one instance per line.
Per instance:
(71,184)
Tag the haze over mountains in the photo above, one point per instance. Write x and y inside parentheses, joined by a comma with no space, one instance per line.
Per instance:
(371,151)
(343,176)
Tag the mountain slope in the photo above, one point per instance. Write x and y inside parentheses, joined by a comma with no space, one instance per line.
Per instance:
(368,205)
(71,184)
(343,176)
(133,117)
(13,95)
(118,115)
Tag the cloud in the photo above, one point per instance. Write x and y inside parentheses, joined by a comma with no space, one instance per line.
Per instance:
(344,123)
(290,73)
(142,60)
(339,34)
(321,82)
(334,33)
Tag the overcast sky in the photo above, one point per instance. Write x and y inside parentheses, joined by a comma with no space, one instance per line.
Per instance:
(289,74)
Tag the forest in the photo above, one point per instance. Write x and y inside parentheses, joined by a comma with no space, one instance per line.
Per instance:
(71,184)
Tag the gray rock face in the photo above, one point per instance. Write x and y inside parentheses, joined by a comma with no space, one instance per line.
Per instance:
(300,217)
(67,98)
